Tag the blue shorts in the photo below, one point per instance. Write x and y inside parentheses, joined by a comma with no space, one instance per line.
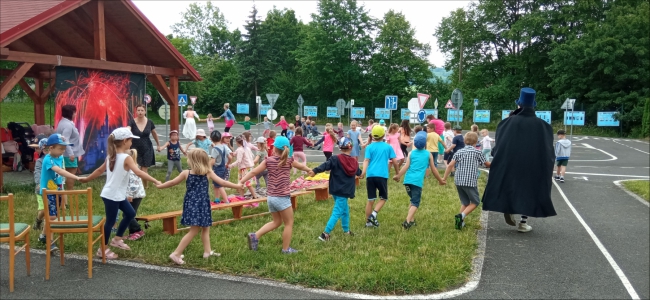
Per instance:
(51,205)
(277,204)
(415,192)
(70,163)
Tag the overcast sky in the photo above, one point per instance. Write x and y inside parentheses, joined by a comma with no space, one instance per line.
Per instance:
(424,16)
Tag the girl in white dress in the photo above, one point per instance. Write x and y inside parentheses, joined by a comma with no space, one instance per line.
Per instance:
(189,130)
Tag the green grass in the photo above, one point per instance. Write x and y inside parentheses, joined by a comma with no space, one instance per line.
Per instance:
(430,257)
(24,112)
(639,187)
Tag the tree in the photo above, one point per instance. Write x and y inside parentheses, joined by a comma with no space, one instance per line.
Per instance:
(196,23)
(251,55)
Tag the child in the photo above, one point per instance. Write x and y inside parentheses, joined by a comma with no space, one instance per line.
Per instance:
(270,141)
(210,122)
(278,194)
(417,129)
(134,194)
(226,139)
(259,157)
(392,138)
(267,127)
(448,136)
(457,143)
(314,132)
(40,214)
(474,129)
(562,153)
(355,136)
(291,131)
(174,150)
(468,159)
(196,206)
(377,154)
(298,143)
(200,141)
(298,122)
(247,123)
(371,124)
(339,130)
(306,125)
(284,125)
(433,140)
(244,163)
(219,160)
(117,165)
(328,140)
(382,123)
(417,162)
(343,170)
(486,144)
(52,178)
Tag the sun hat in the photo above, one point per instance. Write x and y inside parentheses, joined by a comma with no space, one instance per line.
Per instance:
(420,140)
(345,143)
(172,132)
(226,134)
(527,98)
(201,132)
(281,142)
(122,133)
(57,139)
(378,132)
(260,140)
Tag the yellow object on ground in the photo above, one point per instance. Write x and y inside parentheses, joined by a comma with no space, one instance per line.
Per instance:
(319,176)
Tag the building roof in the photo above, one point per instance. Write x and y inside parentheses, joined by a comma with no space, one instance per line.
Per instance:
(65,28)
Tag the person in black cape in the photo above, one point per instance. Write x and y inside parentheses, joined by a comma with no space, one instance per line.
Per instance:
(522,167)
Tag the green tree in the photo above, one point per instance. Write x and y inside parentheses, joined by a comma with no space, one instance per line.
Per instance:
(251,56)
(195,25)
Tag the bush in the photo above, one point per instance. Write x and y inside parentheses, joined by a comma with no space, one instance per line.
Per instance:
(646,119)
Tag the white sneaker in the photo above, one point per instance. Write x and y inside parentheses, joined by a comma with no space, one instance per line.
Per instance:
(523,227)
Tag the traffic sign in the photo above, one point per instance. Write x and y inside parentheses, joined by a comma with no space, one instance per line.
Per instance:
(264,108)
(406,114)
(382,113)
(258,99)
(390,102)
(163,111)
(332,112)
(311,111)
(457,98)
(193,99)
(352,102)
(568,104)
(422,99)
(300,100)
(340,106)
(359,112)
(475,102)
(242,108)
(455,115)
(182,99)
(481,116)
(544,115)
(147,98)
(449,105)
(422,115)
(576,118)
(272,98)
(272,114)
(435,104)
(607,118)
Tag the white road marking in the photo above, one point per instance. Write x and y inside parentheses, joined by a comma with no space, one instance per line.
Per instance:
(615,141)
(601,247)
(635,196)
(585,178)
(612,157)
(612,175)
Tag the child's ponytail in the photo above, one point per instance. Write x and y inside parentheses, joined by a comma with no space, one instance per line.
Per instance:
(284,156)
(112,152)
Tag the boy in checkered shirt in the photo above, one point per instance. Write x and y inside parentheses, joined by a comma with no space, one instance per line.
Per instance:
(468,160)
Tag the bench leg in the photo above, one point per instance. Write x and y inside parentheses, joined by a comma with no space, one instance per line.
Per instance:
(357,182)
(294,203)
(322,194)
(169,226)
(236,212)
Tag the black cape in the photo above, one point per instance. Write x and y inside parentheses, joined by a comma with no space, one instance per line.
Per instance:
(521,173)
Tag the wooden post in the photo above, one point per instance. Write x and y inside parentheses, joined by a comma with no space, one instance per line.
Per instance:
(99,30)
(10,81)
(173,104)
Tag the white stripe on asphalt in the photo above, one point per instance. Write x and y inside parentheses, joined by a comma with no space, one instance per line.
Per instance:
(615,141)
(635,196)
(612,175)
(601,247)
(612,157)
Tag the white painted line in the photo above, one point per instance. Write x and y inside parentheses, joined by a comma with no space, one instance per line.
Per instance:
(612,157)
(635,196)
(611,175)
(601,247)
(615,141)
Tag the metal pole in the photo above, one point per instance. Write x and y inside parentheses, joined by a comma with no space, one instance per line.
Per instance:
(566,108)
(573,119)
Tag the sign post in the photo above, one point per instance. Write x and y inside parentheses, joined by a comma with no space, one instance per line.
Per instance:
(258,102)
(350,107)
(475,106)
(147,100)
(457,101)
(391,104)
(300,103)
(340,108)
(182,101)
(568,104)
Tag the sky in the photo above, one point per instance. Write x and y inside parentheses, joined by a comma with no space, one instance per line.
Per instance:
(424,16)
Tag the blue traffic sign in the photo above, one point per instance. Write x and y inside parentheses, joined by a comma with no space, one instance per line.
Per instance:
(606,118)
(481,116)
(359,112)
(264,108)
(406,114)
(544,115)
(182,99)
(475,102)
(576,118)
(422,115)
(455,115)
(390,102)
(242,108)
(333,112)
(310,111)
(382,113)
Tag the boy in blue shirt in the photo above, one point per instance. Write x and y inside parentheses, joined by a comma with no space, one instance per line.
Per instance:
(378,156)
(417,163)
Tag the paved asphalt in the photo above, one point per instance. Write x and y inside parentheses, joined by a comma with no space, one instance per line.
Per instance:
(558,259)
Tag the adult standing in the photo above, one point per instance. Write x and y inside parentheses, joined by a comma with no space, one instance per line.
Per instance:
(189,129)
(67,129)
(142,127)
(229,118)
(405,138)
(522,166)
(440,129)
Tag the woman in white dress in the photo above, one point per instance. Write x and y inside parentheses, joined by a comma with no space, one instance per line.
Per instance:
(189,130)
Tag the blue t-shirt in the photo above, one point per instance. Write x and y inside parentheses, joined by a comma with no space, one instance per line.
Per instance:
(206,144)
(379,153)
(49,179)
(459,141)
(418,167)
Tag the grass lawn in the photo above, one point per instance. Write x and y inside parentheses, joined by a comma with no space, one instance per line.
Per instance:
(639,187)
(24,112)
(430,257)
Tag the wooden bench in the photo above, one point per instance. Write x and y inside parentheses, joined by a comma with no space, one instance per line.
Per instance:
(170,219)
(321,191)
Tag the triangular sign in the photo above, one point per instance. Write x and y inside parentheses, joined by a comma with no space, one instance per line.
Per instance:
(422,99)
(272,98)
(449,104)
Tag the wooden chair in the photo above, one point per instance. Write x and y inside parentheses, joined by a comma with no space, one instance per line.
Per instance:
(74,222)
(12,232)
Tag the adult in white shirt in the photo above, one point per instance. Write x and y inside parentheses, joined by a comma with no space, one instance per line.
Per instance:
(189,129)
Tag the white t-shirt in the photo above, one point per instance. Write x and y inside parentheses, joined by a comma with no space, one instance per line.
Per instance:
(215,154)
(117,181)
(449,137)
(486,143)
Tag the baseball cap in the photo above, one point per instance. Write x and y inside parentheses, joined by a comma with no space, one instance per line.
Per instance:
(420,140)
(281,142)
(42,143)
(57,139)
(260,140)
(345,143)
(226,134)
(123,133)
(382,122)
(378,132)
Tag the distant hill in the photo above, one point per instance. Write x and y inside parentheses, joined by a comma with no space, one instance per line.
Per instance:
(440,73)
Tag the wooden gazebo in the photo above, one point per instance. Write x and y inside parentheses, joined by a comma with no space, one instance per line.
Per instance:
(95,34)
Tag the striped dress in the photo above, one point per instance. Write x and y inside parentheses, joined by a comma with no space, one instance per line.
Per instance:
(279,177)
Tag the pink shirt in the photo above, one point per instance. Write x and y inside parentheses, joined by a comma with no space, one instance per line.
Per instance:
(440,126)
(244,158)
(328,143)
(283,124)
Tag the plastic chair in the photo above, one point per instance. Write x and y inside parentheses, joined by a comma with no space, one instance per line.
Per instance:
(12,232)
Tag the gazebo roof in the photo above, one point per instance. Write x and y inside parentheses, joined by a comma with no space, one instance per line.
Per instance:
(61,32)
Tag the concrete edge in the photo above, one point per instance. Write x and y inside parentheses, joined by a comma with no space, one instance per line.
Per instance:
(619,184)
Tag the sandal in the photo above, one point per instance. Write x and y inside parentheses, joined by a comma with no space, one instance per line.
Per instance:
(177,260)
(120,244)
(109,254)
(212,253)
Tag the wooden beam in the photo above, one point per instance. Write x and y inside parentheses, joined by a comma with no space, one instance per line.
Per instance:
(50,88)
(58,60)
(99,29)
(28,89)
(77,27)
(39,105)
(159,83)
(7,72)
(71,51)
(13,78)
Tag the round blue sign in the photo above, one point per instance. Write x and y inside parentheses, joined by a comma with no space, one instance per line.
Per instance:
(422,115)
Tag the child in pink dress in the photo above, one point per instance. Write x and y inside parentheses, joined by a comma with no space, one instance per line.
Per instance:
(393,140)
(244,164)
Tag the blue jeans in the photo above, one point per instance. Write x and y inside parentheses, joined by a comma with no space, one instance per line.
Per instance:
(112,208)
(341,211)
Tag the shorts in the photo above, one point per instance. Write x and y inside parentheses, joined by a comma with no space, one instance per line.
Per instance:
(277,204)
(70,163)
(415,192)
(51,205)
(562,162)
(449,156)
(468,194)
(441,149)
(377,183)
(39,200)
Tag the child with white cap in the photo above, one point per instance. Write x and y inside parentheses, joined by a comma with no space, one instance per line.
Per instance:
(200,141)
